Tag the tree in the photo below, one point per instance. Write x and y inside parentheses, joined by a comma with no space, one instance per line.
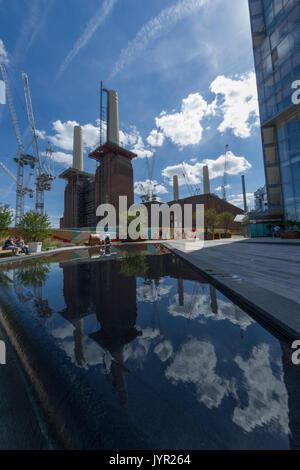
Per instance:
(6,217)
(35,227)
(210,219)
(224,220)
(134,266)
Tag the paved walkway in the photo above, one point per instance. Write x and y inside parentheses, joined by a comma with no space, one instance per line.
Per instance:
(264,276)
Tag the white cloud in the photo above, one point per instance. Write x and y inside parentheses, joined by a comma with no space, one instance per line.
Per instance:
(155,138)
(152,293)
(238,200)
(155,27)
(196,363)
(235,166)
(267,400)
(237,101)
(164,350)
(63,137)
(41,134)
(3,52)
(141,186)
(220,188)
(184,128)
(202,306)
(90,29)
(134,142)
(61,157)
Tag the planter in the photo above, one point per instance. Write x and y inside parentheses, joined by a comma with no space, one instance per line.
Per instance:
(208,236)
(226,235)
(290,235)
(35,247)
(216,236)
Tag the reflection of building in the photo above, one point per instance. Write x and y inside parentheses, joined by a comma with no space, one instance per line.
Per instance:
(99,288)
(261,199)
(117,318)
(275,31)
(104,288)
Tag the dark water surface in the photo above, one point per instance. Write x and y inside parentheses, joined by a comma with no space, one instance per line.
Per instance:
(132,349)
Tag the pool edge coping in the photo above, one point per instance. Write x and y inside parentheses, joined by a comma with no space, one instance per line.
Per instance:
(267,318)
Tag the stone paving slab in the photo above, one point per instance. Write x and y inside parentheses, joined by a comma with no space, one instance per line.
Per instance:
(263,279)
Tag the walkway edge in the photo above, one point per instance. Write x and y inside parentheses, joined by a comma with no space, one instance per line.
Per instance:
(265,306)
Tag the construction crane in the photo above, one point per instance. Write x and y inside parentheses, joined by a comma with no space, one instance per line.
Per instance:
(8,172)
(192,191)
(224,186)
(44,176)
(145,197)
(22,158)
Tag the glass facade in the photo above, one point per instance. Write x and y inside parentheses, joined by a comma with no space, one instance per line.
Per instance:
(275,28)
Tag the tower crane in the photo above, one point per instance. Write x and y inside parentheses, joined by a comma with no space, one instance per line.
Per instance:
(22,158)
(224,187)
(193,192)
(8,172)
(145,194)
(44,174)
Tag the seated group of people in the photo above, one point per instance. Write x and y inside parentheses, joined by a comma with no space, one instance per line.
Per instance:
(17,245)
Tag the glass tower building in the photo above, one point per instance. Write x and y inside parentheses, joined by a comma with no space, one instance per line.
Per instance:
(275,26)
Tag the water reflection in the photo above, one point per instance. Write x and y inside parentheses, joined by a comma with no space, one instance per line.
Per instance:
(154,318)
(28,283)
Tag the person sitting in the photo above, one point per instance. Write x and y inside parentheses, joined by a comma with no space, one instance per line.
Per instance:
(10,245)
(21,244)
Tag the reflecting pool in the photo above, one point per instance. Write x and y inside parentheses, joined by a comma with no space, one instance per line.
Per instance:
(129,348)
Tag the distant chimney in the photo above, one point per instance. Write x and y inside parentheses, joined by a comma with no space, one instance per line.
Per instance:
(206,183)
(77,149)
(175,188)
(244,194)
(112,116)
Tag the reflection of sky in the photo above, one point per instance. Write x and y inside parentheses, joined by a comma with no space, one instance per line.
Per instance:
(152,293)
(204,361)
(198,307)
(267,395)
(196,363)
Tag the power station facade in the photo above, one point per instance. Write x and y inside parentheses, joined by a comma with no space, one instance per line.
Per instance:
(84,191)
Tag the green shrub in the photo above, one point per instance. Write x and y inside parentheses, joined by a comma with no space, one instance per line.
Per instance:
(224,220)
(6,218)
(210,219)
(35,227)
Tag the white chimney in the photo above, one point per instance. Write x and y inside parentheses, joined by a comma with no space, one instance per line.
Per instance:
(175,188)
(77,149)
(206,183)
(112,117)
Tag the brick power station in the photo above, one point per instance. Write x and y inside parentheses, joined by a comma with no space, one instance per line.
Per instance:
(84,192)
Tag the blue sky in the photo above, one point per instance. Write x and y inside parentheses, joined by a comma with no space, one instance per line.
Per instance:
(183,66)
